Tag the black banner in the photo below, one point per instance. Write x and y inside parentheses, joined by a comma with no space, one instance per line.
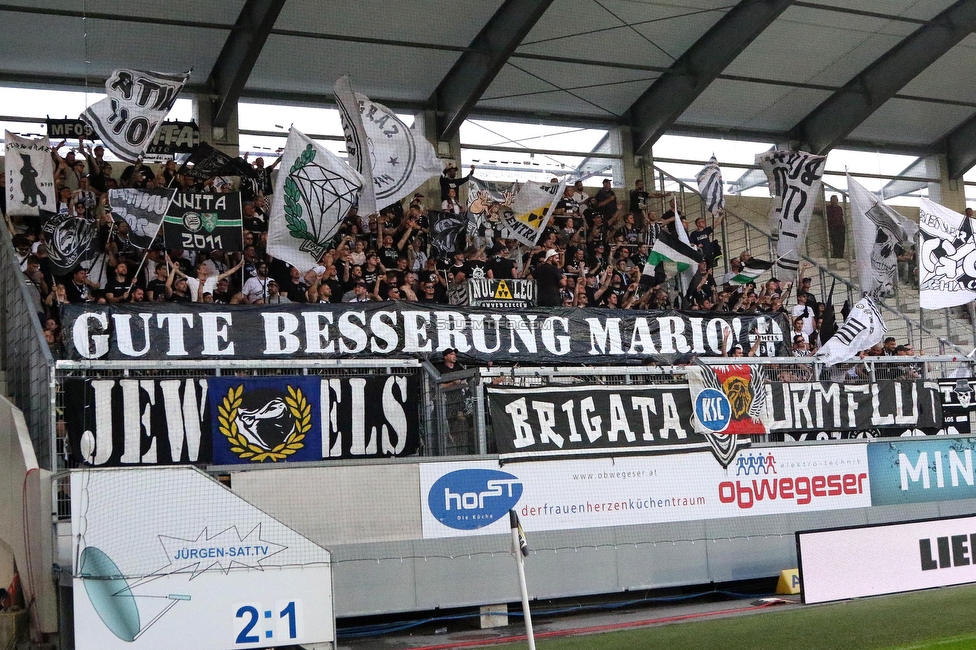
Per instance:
(502,294)
(70,239)
(592,420)
(174,138)
(226,420)
(407,330)
(69,128)
(200,221)
(827,406)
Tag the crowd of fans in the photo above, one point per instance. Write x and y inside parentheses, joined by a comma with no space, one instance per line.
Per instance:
(594,253)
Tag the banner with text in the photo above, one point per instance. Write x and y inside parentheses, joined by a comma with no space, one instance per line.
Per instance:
(401,330)
(922,470)
(502,294)
(115,422)
(203,222)
(474,497)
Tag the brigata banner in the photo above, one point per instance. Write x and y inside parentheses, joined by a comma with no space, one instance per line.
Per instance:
(594,420)
(225,420)
(502,294)
(203,222)
(474,497)
(406,330)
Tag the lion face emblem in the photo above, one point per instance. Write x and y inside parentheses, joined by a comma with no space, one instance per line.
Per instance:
(739,393)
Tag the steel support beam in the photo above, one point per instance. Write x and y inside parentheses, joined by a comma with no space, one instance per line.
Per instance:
(239,54)
(663,103)
(475,69)
(960,149)
(847,108)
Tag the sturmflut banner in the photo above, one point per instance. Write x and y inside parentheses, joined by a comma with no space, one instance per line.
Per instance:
(232,420)
(474,497)
(406,330)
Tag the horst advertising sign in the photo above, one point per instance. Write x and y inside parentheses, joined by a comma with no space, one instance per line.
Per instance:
(471,498)
(405,330)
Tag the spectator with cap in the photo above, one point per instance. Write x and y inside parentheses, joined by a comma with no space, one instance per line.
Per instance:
(449,181)
(606,201)
(549,279)
(359,293)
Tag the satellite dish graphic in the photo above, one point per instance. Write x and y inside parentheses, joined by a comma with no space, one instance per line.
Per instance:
(112,598)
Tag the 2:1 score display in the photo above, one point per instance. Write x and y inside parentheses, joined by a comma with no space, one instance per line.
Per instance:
(257,625)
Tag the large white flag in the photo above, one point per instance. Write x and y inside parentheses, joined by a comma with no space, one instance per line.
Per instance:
(946,257)
(130,117)
(862,328)
(878,232)
(711,187)
(393,159)
(531,210)
(314,192)
(794,184)
(30,176)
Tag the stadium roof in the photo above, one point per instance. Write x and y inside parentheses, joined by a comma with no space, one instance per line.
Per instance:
(888,75)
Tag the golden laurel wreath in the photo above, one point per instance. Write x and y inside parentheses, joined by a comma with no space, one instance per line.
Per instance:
(227,418)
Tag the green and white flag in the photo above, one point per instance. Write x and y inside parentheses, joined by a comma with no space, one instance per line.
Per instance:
(669,248)
(314,192)
(751,269)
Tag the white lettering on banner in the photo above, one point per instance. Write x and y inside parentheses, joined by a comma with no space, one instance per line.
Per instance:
(390,438)
(921,470)
(181,414)
(161,334)
(829,406)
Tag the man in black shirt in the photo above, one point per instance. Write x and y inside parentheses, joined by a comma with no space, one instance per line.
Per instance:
(449,182)
(606,201)
(638,199)
(294,288)
(549,279)
(500,266)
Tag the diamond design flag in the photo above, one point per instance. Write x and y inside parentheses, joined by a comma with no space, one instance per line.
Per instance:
(862,328)
(30,175)
(878,232)
(310,201)
(143,210)
(794,184)
(128,119)
(393,159)
(531,210)
(711,187)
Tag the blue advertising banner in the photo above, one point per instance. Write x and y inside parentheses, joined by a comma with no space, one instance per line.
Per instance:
(921,470)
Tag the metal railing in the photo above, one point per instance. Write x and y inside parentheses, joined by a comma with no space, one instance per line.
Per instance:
(24,354)
(738,234)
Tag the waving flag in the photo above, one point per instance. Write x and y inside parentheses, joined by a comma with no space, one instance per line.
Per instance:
(862,328)
(878,229)
(751,269)
(711,187)
(670,248)
(128,119)
(945,242)
(310,201)
(143,210)
(393,159)
(794,184)
(531,210)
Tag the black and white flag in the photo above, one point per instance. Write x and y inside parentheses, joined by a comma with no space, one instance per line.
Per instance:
(946,257)
(879,232)
(445,228)
(711,187)
(531,210)
(143,210)
(128,119)
(862,328)
(393,159)
(794,184)
(314,192)
(30,175)
(71,240)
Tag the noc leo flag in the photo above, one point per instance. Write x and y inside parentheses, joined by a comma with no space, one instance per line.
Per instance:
(310,200)
(128,119)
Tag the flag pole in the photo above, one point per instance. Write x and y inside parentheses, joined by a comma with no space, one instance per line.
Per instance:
(520,549)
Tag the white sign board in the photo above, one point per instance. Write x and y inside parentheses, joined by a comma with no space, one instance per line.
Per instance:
(473,498)
(168,557)
(886,559)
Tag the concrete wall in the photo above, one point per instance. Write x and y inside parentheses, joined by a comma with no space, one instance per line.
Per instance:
(368,516)
(25,489)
